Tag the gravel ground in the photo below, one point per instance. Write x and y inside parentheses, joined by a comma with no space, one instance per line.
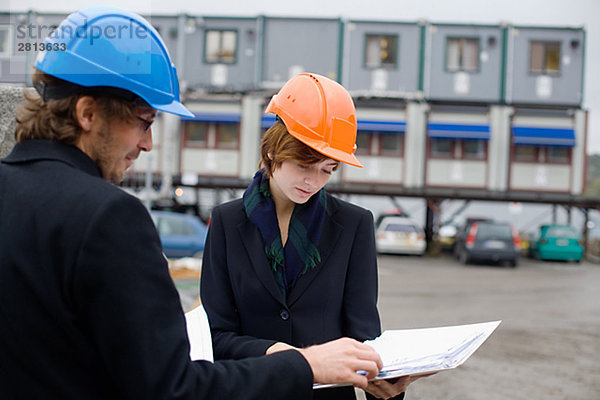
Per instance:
(547,347)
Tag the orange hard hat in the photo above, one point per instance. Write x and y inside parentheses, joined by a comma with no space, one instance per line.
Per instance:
(320,113)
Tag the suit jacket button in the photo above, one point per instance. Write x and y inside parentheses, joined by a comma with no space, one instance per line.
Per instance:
(284,314)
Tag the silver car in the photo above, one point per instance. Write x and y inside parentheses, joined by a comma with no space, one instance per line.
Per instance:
(400,235)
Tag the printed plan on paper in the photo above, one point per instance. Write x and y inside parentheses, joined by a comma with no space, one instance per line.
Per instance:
(423,351)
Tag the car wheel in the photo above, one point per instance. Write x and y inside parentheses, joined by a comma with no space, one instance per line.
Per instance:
(464,258)
(456,254)
(513,263)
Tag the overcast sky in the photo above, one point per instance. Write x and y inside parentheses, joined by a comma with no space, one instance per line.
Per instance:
(579,13)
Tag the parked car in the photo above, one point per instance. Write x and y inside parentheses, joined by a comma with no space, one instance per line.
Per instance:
(488,241)
(463,231)
(181,235)
(400,235)
(447,235)
(394,212)
(558,242)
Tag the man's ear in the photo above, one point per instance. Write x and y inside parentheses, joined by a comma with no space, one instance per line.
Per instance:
(86,112)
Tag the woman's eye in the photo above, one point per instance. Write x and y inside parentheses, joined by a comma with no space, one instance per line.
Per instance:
(327,172)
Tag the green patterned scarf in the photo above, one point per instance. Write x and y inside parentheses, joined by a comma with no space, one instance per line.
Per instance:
(300,252)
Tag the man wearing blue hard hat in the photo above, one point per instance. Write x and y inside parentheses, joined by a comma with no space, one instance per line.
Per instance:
(87,307)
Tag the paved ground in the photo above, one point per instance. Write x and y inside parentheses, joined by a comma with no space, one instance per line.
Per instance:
(547,347)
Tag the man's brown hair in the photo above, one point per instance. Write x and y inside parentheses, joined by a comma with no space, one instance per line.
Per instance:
(277,145)
(56,119)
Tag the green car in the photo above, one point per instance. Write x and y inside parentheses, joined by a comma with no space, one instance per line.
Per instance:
(558,242)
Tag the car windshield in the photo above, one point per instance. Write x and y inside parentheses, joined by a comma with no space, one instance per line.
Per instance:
(401,228)
(174,226)
(562,232)
(494,231)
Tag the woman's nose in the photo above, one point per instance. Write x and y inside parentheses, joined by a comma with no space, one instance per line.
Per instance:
(311,177)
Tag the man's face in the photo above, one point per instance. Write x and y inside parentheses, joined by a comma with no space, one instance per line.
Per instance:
(118,144)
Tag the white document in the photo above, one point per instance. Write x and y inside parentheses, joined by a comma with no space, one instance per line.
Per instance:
(199,334)
(423,351)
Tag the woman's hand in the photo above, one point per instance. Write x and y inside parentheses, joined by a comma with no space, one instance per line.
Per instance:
(387,389)
(279,346)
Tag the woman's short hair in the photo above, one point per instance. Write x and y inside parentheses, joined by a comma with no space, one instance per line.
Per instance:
(277,145)
(56,119)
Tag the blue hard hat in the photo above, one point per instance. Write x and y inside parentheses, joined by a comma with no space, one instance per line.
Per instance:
(108,47)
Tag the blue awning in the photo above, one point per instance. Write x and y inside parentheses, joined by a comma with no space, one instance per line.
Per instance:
(214,117)
(267,121)
(381,126)
(363,125)
(458,131)
(535,136)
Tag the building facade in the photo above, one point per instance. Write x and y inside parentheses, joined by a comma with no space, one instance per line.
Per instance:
(494,108)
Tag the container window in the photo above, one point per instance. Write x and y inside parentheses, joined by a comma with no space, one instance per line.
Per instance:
(391,144)
(462,54)
(227,136)
(526,153)
(441,147)
(363,143)
(559,155)
(381,51)
(474,149)
(544,57)
(220,46)
(197,134)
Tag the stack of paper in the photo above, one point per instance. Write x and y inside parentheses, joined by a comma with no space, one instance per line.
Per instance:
(420,351)
(199,334)
(423,351)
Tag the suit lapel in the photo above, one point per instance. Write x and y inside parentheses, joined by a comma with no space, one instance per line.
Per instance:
(253,243)
(329,237)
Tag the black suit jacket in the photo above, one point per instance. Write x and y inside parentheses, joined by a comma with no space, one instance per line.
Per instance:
(87,307)
(246,311)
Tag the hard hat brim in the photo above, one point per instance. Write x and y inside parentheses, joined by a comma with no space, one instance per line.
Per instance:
(174,108)
(323,148)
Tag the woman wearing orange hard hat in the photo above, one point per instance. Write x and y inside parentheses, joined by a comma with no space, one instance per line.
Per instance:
(289,265)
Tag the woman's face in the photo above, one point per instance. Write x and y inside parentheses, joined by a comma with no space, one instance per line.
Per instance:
(297,182)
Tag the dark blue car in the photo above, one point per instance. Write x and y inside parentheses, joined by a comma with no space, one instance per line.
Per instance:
(181,235)
(488,241)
